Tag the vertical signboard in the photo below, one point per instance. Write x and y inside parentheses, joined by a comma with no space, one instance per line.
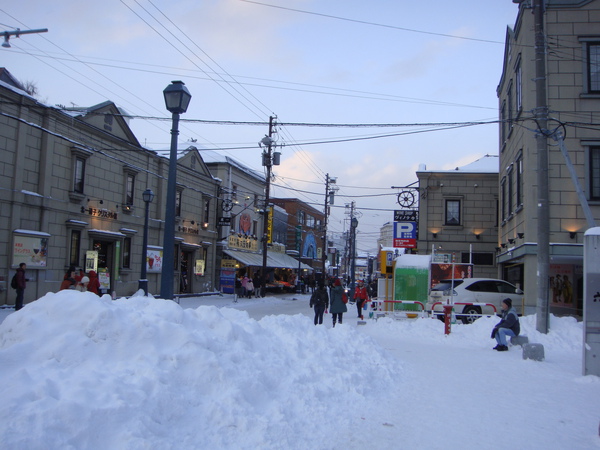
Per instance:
(591,302)
(270,226)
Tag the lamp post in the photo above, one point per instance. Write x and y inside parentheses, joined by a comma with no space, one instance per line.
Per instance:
(148,196)
(177,100)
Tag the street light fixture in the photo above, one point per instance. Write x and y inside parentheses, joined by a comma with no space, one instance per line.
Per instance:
(148,196)
(177,100)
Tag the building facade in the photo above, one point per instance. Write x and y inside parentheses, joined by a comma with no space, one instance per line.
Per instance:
(458,214)
(305,230)
(71,195)
(572,73)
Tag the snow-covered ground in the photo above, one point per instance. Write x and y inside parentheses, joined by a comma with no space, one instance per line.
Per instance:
(82,372)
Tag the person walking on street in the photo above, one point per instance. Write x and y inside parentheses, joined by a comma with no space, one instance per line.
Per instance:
(360,297)
(508,326)
(320,301)
(21,285)
(337,307)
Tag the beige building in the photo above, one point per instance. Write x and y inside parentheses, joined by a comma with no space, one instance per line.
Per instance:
(71,195)
(572,69)
(458,216)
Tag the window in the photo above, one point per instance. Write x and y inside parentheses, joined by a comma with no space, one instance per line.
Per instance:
(593,67)
(75,247)
(234,192)
(127,253)
(478,258)
(594,173)
(310,221)
(509,191)
(207,211)
(301,217)
(519,175)
(178,203)
(509,107)
(452,216)
(129,188)
(519,85)
(79,177)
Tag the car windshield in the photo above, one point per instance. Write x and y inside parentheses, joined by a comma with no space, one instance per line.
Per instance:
(444,285)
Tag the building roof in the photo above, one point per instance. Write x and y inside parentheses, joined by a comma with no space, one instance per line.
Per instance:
(486,164)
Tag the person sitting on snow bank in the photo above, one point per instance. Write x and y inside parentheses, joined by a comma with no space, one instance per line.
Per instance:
(508,326)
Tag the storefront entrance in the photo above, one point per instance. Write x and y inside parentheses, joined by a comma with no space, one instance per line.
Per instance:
(106,264)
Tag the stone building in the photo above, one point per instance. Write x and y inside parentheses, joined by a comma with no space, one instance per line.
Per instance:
(572,61)
(71,195)
(458,214)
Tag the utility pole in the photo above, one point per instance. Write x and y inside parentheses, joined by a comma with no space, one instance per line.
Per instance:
(329,198)
(543,219)
(353,225)
(268,161)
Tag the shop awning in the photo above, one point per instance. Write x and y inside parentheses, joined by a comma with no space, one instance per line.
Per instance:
(274,259)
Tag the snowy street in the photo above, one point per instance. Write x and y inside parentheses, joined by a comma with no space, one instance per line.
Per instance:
(85,372)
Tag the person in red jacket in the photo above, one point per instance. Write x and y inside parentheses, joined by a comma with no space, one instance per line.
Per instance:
(94,283)
(361,296)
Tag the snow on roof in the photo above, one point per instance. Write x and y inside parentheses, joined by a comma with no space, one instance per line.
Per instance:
(409,260)
(486,164)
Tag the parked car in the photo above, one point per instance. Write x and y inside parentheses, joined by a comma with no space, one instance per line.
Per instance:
(472,297)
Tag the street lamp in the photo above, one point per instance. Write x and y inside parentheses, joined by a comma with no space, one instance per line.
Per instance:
(148,196)
(177,100)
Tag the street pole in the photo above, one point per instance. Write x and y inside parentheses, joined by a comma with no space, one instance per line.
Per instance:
(267,141)
(177,99)
(543,219)
(147,196)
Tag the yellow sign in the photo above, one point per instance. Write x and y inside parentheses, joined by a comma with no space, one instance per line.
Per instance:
(270,226)
(228,263)
(242,242)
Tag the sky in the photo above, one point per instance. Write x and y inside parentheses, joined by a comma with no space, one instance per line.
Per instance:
(84,372)
(415,72)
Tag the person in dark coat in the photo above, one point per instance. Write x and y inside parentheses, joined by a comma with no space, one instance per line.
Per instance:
(21,285)
(508,326)
(320,301)
(337,307)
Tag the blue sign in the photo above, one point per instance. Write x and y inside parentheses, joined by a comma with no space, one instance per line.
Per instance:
(405,230)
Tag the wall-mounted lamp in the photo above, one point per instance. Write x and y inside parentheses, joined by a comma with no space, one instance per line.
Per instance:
(503,245)
(434,235)
(205,225)
(498,249)
(521,235)
(572,234)
(477,236)
(511,241)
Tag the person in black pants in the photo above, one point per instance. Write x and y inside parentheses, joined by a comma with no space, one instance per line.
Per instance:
(320,301)
(21,285)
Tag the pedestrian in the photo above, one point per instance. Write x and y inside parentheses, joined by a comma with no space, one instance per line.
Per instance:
(244,286)
(337,307)
(82,285)
(257,282)
(68,280)
(508,326)
(360,297)
(320,301)
(238,289)
(21,285)
(249,288)
(94,284)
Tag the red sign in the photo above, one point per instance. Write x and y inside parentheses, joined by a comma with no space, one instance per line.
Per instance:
(405,243)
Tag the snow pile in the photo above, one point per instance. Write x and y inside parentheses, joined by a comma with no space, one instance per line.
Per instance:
(79,371)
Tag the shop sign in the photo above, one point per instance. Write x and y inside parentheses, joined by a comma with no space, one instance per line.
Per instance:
(31,250)
(242,242)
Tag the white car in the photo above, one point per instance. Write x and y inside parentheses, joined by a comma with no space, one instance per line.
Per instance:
(472,297)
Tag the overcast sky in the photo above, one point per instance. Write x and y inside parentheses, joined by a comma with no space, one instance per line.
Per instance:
(422,66)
